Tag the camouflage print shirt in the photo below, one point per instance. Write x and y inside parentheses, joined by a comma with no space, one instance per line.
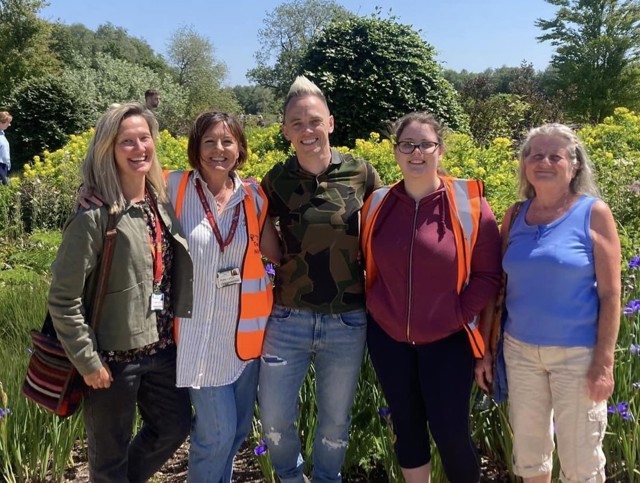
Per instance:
(319,218)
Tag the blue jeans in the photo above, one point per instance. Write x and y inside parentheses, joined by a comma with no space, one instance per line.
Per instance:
(150,385)
(221,424)
(335,343)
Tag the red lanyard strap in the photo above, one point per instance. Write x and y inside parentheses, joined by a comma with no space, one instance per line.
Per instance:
(156,246)
(214,226)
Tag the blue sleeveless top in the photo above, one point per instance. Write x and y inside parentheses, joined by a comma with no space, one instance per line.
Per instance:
(551,287)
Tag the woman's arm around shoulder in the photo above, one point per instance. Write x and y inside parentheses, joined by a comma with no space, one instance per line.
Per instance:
(607,260)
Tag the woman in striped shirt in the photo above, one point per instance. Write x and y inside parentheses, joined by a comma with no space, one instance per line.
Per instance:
(225,223)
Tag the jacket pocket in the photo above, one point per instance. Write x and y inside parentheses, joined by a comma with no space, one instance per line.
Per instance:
(124,314)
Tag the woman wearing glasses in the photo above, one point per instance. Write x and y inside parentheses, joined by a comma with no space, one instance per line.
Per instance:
(432,254)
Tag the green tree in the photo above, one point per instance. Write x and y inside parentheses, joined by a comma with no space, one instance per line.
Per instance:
(373,71)
(46,110)
(288,30)
(597,47)
(69,42)
(24,44)
(199,73)
(103,80)
(505,102)
(256,99)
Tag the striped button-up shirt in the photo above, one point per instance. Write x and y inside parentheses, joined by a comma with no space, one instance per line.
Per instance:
(206,342)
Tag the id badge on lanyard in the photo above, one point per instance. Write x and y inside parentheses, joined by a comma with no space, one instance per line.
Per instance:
(224,278)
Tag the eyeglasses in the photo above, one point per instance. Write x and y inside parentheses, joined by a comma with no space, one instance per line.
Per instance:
(426,147)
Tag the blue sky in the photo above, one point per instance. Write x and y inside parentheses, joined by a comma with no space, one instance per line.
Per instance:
(468,34)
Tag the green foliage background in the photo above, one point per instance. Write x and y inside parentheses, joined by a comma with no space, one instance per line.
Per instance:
(33,208)
(373,71)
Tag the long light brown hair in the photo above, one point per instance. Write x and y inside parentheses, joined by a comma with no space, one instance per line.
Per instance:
(99,170)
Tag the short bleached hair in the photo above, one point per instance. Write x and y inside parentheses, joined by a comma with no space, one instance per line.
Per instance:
(303,87)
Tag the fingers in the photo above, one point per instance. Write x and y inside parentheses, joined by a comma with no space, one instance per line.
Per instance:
(108,373)
(84,197)
(100,379)
(600,390)
(482,376)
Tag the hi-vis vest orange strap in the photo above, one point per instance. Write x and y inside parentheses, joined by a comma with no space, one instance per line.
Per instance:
(464,197)
(256,292)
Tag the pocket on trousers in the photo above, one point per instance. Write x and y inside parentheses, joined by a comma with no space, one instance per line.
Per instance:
(278,312)
(596,424)
(356,319)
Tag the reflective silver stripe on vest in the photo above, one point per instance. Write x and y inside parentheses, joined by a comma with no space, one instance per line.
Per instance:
(255,285)
(461,195)
(252,325)
(258,200)
(376,197)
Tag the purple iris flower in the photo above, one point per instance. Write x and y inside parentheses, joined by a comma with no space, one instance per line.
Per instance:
(261,448)
(634,263)
(632,307)
(270,269)
(622,409)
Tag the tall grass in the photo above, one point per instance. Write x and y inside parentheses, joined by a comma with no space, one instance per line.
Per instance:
(34,444)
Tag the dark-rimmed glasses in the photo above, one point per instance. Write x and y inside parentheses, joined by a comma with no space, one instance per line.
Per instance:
(426,147)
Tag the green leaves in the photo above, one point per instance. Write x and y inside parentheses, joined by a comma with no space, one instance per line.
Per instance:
(374,71)
(595,64)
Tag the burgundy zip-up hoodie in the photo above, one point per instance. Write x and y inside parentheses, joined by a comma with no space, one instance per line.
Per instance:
(414,297)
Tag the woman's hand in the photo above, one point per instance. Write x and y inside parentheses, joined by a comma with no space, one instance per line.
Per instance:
(484,372)
(85,196)
(600,381)
(100,379)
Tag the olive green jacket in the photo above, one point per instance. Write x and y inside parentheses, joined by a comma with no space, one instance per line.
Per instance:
(126,321)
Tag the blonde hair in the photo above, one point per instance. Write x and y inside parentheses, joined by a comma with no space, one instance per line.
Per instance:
(303,87)
(99,170)
(582,183)
(5,117)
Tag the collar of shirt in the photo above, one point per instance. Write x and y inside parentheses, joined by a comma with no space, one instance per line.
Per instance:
(293,164)
(239,189)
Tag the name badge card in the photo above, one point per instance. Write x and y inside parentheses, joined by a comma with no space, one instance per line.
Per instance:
(224,278)
(157,301)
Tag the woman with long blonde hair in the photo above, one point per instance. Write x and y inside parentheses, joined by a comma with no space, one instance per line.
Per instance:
(129,361)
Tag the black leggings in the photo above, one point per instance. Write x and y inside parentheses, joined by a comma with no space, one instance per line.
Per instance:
(428,388)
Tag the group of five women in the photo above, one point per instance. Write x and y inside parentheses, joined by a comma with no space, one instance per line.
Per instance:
(185,326)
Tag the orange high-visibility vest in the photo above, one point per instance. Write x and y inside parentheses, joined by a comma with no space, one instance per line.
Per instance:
(464,197)
(256,292)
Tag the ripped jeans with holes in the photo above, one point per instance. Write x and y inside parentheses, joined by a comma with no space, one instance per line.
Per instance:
(334,344)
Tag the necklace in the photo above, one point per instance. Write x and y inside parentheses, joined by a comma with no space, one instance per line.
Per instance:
(224,194)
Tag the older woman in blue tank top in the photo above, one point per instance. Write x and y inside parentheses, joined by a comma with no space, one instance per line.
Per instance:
(563,300)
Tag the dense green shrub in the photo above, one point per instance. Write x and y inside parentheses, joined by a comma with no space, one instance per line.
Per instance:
(373,71)
(45,111)
(614,147)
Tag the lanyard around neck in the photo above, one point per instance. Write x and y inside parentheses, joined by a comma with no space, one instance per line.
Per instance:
(156,246)
(214,226)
